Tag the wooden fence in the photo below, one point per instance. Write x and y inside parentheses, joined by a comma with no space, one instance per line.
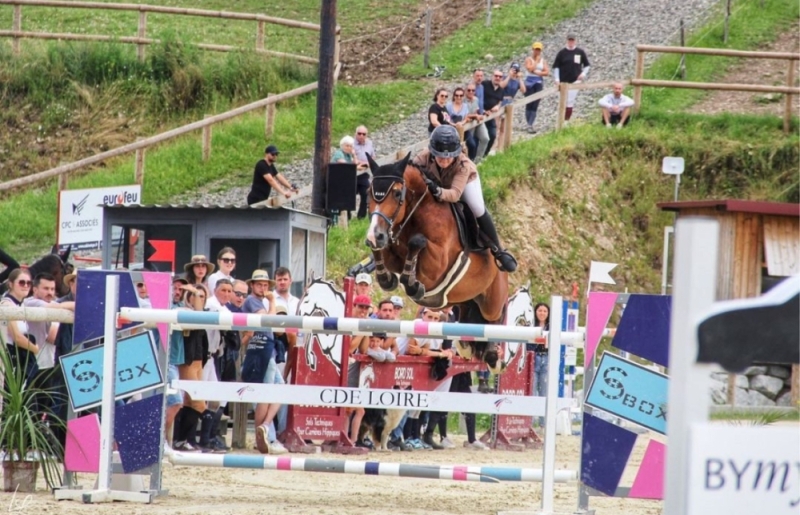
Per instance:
(141,40)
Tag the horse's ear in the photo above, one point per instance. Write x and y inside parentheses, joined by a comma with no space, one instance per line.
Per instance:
(373,166)
(401,165)
(65,255)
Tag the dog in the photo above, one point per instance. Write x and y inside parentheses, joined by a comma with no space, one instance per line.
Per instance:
(380,423)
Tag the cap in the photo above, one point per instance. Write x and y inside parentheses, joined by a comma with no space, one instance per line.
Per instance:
(364,278)
(571,35)
(272,149)
(179,278)
(515,66)
(397,301)
(362,300)
(378,335)
(538,45)
(281,310)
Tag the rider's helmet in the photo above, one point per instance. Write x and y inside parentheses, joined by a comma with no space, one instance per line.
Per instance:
(445,142)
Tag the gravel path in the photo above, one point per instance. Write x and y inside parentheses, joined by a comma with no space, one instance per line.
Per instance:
(608,30)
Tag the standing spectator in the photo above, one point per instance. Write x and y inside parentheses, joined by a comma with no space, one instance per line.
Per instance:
(397,305)
(240,292)
(177,290)
(459,114)
(266,177)
(536,68)
(477,81)
(363,146)
(21,349)
(284,299)
(226,261)
(493,92)
(198,270)
(259,358)
(363,284)
(513,85)
(478,136)
(616,107)
(541,315)
(358,345)
(571,66)
(437,112)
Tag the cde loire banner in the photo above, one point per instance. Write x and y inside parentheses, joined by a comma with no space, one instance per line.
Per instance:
(80,214)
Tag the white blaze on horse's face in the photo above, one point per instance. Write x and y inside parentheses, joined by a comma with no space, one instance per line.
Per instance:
(373,226)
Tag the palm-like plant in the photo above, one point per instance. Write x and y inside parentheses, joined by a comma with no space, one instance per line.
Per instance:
(26,427)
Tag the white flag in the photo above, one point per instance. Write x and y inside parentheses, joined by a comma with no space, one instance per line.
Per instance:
(598,273)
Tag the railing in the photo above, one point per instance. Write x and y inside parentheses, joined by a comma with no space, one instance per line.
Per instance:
(141,40)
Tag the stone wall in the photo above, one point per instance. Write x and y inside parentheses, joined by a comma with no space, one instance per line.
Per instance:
(767,385)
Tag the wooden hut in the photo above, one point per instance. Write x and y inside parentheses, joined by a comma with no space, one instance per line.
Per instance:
(759,246)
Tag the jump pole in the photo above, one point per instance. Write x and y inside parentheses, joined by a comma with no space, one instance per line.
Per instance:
(369,468)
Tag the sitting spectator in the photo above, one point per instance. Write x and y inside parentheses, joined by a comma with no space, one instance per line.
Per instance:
(378,349)
(345,153)
(437,113)
(616,107)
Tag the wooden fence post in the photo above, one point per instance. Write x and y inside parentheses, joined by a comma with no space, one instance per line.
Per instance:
(637,90)
(727,18)
(138,167)
(206,140)
(508,126)
(141,33)
(17,27)
(62,181)
(427,50)
(269,123)
(260,35)
(562,104)
(683,56)
(488,13)
(787,109)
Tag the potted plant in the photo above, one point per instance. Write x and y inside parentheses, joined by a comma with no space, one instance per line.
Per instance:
(26,430)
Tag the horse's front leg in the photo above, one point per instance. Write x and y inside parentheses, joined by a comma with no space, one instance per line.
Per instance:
(386,279)
(414,288)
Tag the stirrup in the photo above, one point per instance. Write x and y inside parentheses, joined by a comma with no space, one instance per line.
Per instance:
(504,260)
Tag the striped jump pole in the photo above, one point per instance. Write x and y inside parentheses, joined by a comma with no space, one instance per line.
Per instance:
(349,326)
(368,468)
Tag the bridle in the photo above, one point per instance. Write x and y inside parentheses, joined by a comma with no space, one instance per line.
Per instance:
(379,197)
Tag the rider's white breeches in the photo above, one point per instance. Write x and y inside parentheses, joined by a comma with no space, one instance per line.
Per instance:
(473,197)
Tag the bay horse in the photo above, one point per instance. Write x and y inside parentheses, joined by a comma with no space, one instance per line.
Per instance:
(56,264)
(415,241)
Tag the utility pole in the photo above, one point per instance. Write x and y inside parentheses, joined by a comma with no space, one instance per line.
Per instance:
(322,136)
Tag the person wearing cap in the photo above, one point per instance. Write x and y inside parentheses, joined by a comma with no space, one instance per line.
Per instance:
(198,269)
(457,180)
(259,361)
(571,65)
(266,177)
(536,69)
(514,84)
(397,304)
(363,284)
(616,107)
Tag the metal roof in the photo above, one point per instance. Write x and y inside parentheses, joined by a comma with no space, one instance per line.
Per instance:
(227,207)
(736,206)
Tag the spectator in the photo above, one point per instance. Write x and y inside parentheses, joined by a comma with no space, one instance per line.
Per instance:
(493,92)
(541,315)
(536,68)
(358,345)
(198,270)
(177,291)
(459,114)
(437,112)
(195,356)
(240,292)
(258,362)
(284,299)
(176,358)
(514,84)
(226,261)
(397,306)
(477,81)
(362,147)
(616,107)
(266,177)
(478,138)
(345,153)
(141,293)
(22,350)
(363,284)
(571,66)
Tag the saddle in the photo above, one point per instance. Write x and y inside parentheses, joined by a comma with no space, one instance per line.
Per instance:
(467,225)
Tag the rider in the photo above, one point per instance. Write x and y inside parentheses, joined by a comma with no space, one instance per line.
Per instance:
(458,179)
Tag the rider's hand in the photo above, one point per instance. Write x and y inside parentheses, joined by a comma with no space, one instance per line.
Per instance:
(434,188)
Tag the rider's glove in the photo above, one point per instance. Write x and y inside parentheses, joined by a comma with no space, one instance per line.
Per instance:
(434,188)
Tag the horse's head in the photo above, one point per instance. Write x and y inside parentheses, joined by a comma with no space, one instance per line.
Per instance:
(56,264)
(389,200)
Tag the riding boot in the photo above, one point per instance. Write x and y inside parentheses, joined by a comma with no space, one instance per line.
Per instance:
(206,423)
(189,426)
(217,439)
(503,259)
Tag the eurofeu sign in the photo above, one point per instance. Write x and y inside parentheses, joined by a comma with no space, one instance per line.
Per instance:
(80,213)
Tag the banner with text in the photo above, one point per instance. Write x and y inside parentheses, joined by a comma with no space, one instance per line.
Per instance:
(80,214)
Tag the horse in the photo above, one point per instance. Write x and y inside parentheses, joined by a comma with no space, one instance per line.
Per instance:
(321,298)
(414,240)
(56,264)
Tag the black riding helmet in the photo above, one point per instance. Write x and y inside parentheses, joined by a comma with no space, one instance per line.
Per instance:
(445,142)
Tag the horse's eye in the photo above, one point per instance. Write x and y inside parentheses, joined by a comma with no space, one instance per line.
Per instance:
(398,194)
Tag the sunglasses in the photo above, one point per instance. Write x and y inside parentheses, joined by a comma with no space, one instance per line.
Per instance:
(498,76)
(443,95)
(240,294)
(228,260)
(361,133)
(23,282)
(470,91)
(458,95)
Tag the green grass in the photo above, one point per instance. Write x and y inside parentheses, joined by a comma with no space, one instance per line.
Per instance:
(518,22)
(751,26)
(29,219)
(354,16)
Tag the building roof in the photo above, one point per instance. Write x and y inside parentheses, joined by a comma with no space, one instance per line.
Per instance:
(227,207)
(736,206)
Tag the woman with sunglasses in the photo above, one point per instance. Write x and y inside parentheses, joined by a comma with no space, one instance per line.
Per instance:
(437,112)
(21,349)
(226,261)
(459,115)
(459,180)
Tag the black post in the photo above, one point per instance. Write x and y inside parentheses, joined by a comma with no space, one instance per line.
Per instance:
(322,139)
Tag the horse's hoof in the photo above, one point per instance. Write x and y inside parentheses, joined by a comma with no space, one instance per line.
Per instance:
(387,282)
(419,293)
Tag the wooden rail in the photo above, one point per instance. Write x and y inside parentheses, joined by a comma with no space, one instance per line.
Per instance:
(140,40)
